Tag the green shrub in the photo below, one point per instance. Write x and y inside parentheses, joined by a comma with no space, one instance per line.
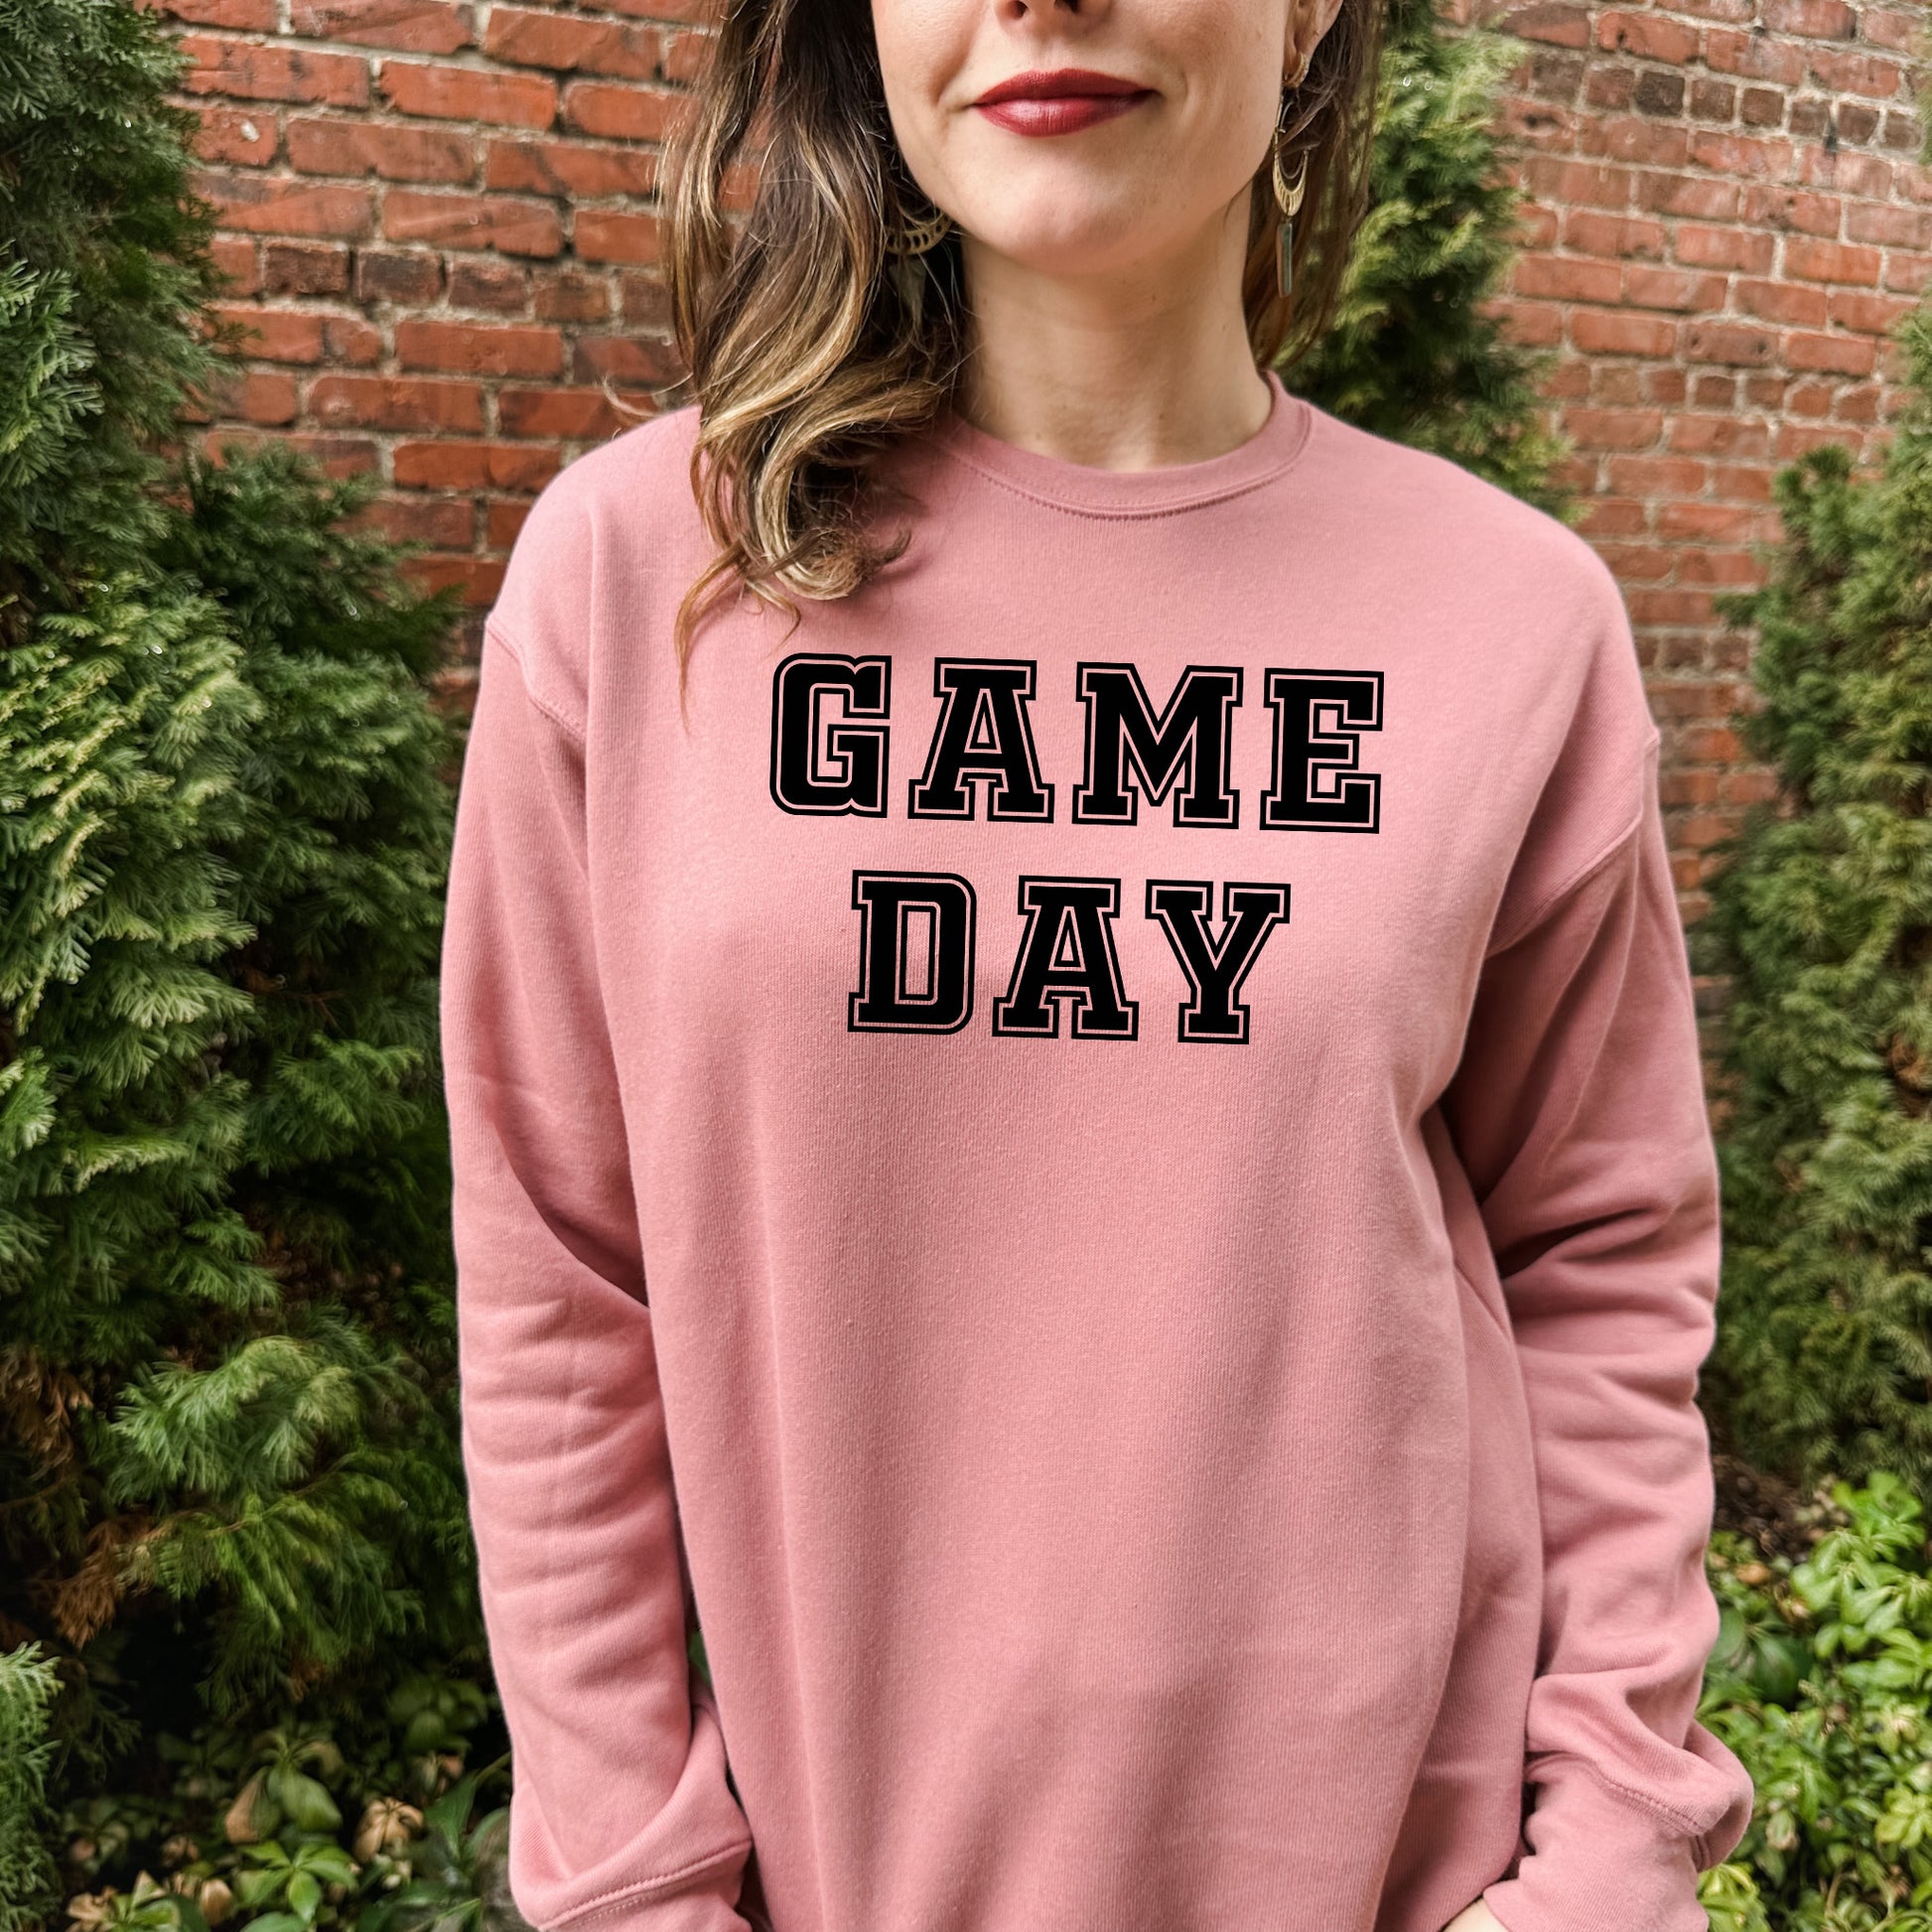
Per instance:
(230,1497)
(1418,352)
(1822,919)
(1821,1682)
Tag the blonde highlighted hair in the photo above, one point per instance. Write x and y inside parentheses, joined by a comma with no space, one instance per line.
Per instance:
(807,356)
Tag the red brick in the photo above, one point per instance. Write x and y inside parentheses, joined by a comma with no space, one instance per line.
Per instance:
(305,268)
(1614,429)
(1700,435)
(1644,142)
(1537,325)
(1656,475)
(630,361)
(683,52)
(1614,516)
(469,94)
(333,147)
(235,261)
(646,302)
(1847,355)
(1909,274)
(1898,228)
(1832,261)
(534,38)
(1871,315)
(618,112)
(1587,233)
(1848,173)
(1753,56)
(525,467)
(397,403)
(579,415)
(604,235)
(277,335)
(1737,154)
(338,456)
(479,579)
(1672,288)
(482,282)
(344,340)
(1639,563)
(1599,332)
(1564,278)
(238,15)
(569,170)
(1705,523)
(1784,301)
(439,521)
(1792,207)
(411,26)
(1697,246)
(263,397)
(503,521)
(478,351)
(1552,22)
(1732,342)
(1705,200)
(1857,73)
(1648,37)
(245,70)
(251,204)
(1899,30)
(385,275)
(235,135)
(1813,20)
(473,221)
(573,295)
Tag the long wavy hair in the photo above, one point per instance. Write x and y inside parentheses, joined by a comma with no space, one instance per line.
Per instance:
(809,347)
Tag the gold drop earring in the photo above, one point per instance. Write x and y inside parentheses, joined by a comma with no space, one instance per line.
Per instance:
(906,243)
(1287,194)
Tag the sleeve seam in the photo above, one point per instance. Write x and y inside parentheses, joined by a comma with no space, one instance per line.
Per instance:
(621,1895)
(517,656)
(1589,868)
(1685,1828)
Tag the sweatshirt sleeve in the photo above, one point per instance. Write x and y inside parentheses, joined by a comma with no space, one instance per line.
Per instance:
(1578,1112)
(620,1815)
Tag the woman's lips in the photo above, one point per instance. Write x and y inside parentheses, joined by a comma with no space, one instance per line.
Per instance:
(1059,113)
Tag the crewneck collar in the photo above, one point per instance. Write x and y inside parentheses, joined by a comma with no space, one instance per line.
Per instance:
(1158,491)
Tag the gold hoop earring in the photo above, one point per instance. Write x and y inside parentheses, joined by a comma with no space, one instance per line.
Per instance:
(1287,194)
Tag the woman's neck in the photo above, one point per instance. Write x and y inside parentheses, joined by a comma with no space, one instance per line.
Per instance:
(1144,366)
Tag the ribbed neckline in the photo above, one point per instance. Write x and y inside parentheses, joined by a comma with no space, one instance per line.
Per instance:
(1158,491)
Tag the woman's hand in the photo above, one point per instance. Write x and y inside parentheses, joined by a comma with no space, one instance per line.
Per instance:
(1474,1918)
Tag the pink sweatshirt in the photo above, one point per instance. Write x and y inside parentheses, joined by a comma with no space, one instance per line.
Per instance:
(1098,1164)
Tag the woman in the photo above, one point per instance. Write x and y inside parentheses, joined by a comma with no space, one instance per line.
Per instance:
(1074,1092)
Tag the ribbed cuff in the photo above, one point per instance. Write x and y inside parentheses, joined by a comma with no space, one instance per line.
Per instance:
(1597,1862)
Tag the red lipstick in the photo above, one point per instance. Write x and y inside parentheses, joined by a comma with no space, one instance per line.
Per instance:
(1061,101)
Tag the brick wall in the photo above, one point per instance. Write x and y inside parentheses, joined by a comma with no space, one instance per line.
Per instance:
(1729,216)
(436,216)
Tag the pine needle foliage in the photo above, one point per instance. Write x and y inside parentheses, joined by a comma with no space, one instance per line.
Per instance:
(1418,352)
(229,1476)
(1822,918)
(28,1685)
(104,274)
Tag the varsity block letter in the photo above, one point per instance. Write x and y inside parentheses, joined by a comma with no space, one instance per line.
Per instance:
(1215,968)
(1190,738)
(1068,953)
(915,953)
(1345,703)
(852,777)
(984,734)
